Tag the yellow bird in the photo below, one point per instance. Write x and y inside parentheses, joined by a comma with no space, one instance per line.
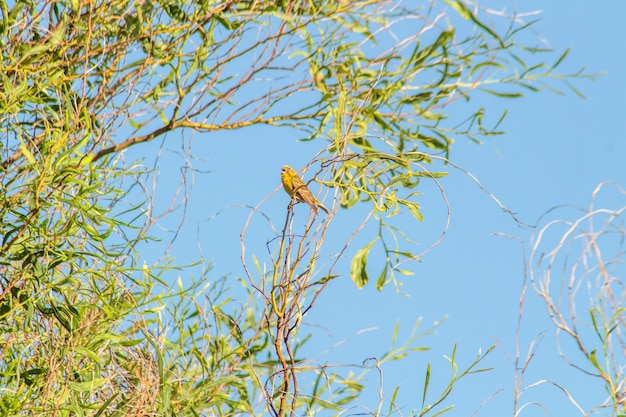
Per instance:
(297,189)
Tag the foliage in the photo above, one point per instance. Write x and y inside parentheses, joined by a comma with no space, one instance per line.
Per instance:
(577,268)
(86,330)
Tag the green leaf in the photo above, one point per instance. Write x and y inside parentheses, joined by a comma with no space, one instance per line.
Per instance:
(467,14)
(88,386)
(382,279)
(502,95)
(358,270)
(430,174)
(416,98)
(27,154)
(414,208)
(426,384)
(594,361)
(392,402)
(558,61)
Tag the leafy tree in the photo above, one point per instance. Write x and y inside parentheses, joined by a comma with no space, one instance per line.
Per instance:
(89,330)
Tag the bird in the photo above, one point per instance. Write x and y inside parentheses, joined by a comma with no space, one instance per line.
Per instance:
(297,189)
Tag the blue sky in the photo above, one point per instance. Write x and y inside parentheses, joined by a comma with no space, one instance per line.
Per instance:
(556,150)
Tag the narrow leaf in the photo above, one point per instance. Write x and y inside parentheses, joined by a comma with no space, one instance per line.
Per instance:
(358,271)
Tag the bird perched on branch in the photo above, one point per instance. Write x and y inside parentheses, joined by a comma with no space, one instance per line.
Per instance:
(297,189)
